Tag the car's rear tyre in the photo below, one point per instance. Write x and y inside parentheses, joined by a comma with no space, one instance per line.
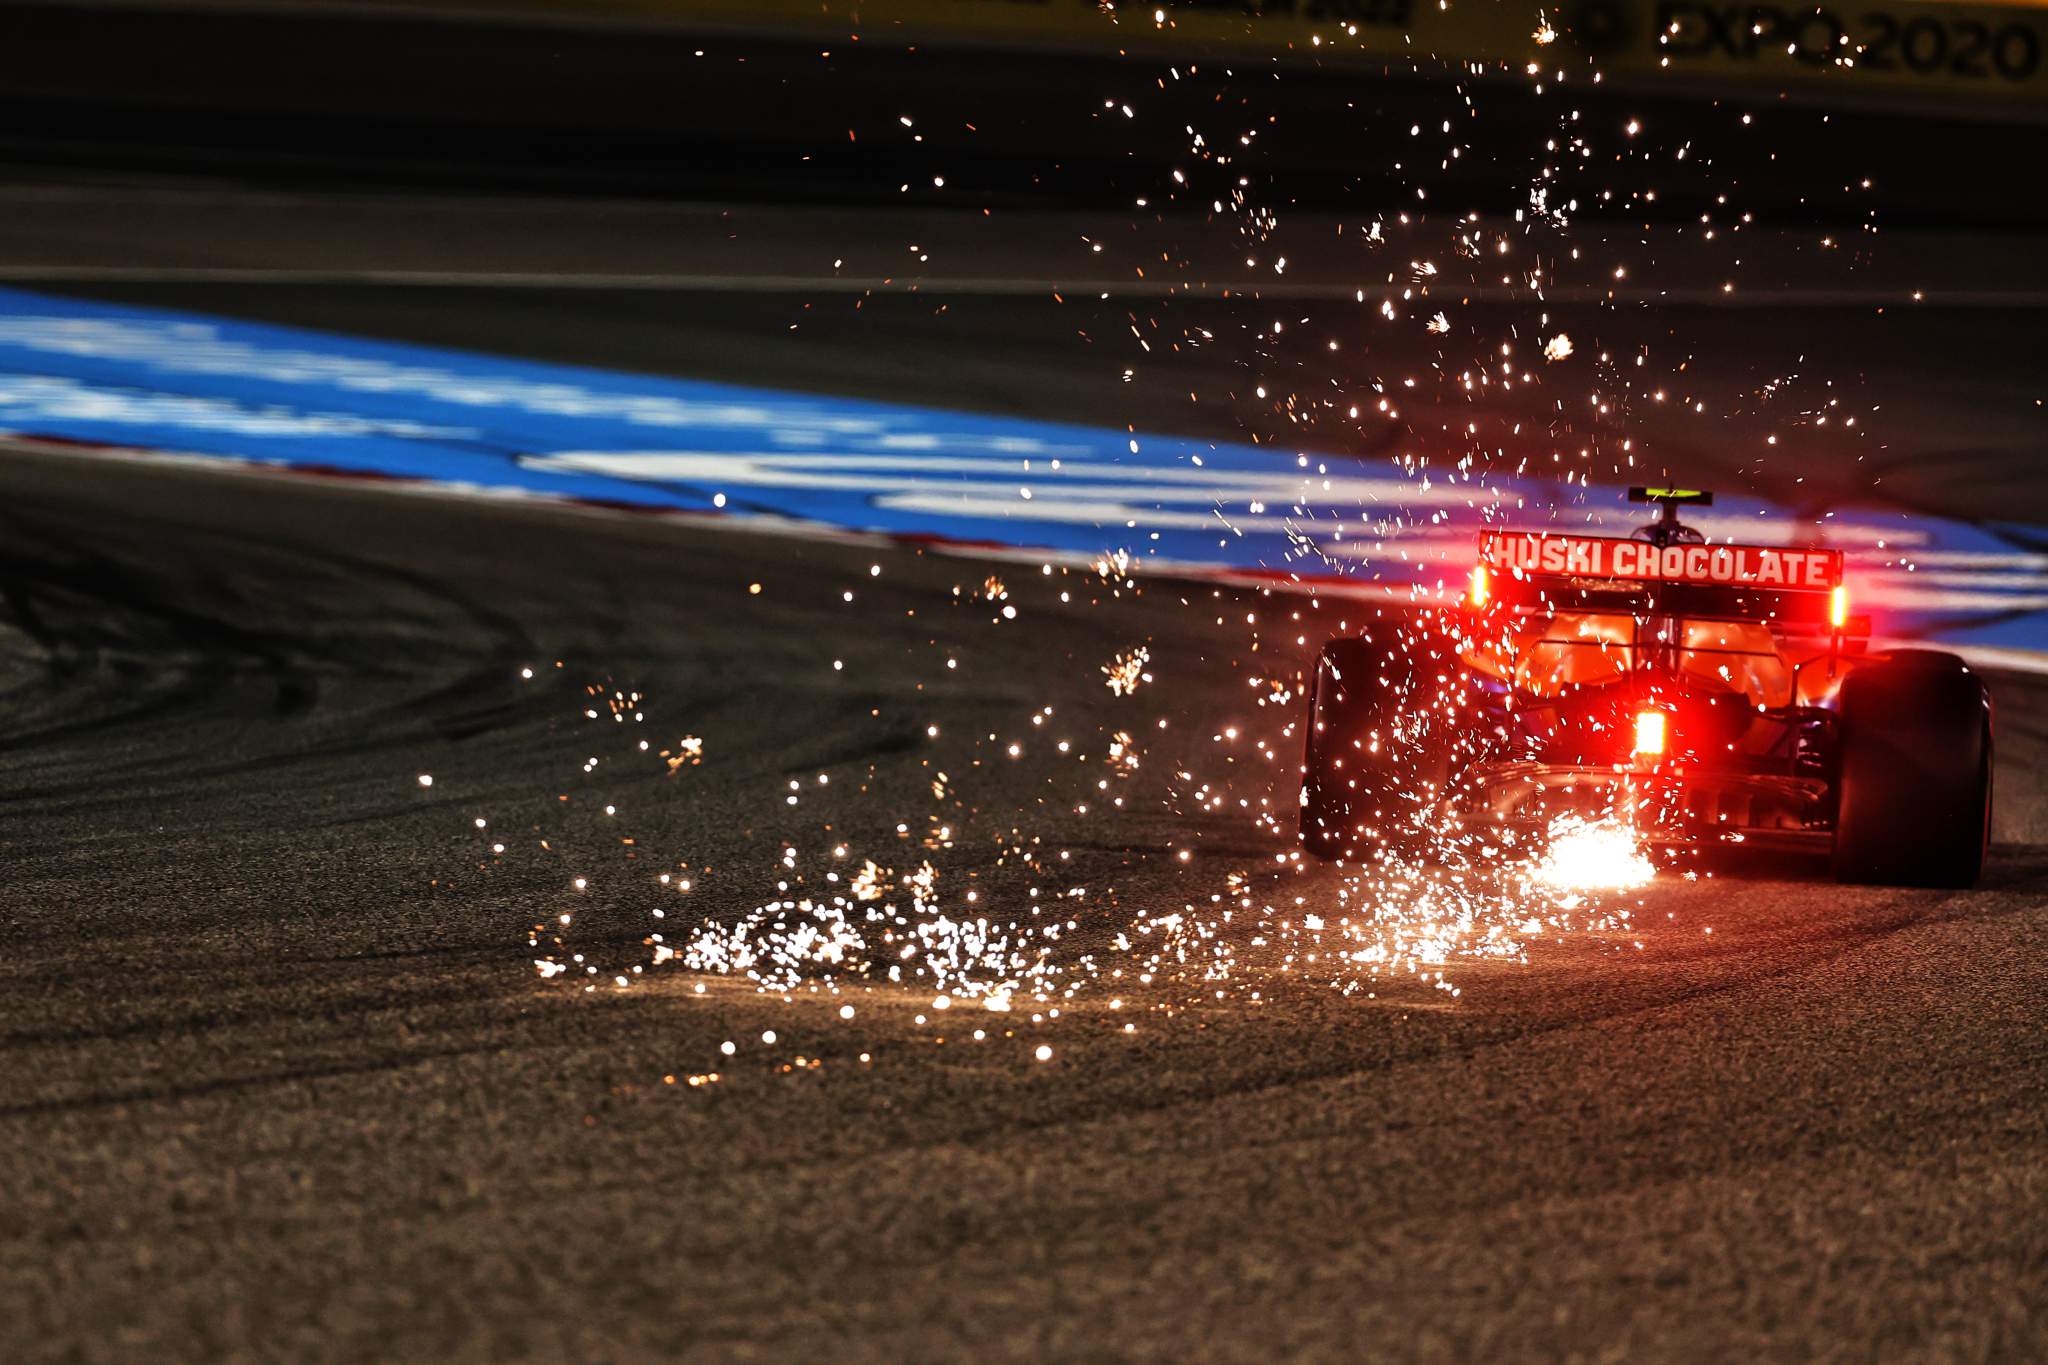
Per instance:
(1378,748)
(1914,789)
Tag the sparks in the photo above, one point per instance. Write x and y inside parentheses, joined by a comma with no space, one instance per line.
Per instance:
(1586,855)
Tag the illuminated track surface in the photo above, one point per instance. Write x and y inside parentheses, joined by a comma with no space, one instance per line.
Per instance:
(280,1075)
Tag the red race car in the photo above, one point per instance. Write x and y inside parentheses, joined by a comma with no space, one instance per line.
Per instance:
(1705,693)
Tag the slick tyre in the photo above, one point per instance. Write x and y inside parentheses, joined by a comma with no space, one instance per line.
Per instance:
(1914,790)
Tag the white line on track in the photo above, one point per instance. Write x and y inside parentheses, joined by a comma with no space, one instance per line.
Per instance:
(999,286)
(1982,656)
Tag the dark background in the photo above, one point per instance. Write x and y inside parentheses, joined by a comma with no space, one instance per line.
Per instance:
(325,97)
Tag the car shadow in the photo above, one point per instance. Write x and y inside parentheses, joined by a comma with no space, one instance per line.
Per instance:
(2011,867)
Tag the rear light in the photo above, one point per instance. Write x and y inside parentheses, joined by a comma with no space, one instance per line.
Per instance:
(1838,607)
(1649,734)
(1482,586)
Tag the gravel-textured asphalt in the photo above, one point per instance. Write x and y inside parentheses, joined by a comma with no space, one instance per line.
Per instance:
(279,1079)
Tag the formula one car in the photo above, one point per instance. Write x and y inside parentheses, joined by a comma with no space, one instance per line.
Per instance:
(1707,693)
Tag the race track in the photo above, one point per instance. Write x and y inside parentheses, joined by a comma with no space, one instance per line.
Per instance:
(281,1077)
(651,681)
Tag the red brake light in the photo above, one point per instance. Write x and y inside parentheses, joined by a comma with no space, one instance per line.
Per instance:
(1649,733)
(1482,586)
(1838,607)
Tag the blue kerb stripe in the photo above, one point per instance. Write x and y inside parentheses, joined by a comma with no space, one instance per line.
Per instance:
(130,376)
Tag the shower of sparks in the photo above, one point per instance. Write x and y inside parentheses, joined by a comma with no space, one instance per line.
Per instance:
(1391,917)
(1126,671)
(977,904)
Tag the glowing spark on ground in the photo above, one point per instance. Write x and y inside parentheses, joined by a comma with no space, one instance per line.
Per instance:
(1593,856)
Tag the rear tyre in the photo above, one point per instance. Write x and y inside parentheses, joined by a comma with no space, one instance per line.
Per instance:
(1914,791)
(1378,749)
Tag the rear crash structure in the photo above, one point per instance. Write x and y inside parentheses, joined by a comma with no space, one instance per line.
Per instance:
(1704,693)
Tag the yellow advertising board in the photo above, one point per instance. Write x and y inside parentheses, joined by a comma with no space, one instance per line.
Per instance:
(1846,48)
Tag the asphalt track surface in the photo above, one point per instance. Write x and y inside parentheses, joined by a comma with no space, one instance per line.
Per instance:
(280,1078)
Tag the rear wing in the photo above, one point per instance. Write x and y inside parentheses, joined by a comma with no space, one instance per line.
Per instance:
(1794,589)
(1697,497)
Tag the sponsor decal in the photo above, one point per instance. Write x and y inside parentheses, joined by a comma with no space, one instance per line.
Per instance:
(1743,566)
(1923,42)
